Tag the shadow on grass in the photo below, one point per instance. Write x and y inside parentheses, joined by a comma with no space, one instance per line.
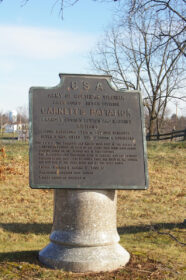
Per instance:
(27,228)
(20,256)
(147,228)
(46,228)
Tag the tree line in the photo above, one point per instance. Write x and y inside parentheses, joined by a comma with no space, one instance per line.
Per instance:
(170,123)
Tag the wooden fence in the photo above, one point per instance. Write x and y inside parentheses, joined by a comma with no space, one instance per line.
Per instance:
(21,135)
(179,135)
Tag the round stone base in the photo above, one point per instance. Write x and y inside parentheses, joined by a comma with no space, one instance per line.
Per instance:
(84,259)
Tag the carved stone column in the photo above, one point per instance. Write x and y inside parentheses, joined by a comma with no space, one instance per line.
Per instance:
(84,235)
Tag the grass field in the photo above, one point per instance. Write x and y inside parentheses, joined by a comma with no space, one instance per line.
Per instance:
(150,223)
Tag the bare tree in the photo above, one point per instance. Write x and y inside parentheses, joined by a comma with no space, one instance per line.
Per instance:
(169,11)
(3,120)
(131,52)
(22,115)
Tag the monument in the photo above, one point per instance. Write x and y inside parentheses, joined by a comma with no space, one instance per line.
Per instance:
(86,141)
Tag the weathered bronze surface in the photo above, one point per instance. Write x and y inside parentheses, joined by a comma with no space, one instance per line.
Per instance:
(84,134)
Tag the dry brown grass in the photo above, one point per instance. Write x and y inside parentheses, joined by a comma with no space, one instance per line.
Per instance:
(150,223)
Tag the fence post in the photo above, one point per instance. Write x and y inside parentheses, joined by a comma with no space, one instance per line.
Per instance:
(158,135)
(184,135)
(172,136)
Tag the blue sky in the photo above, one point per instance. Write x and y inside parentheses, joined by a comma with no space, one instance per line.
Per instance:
(36,44)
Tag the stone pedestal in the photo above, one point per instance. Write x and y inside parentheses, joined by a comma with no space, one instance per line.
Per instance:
(84,235)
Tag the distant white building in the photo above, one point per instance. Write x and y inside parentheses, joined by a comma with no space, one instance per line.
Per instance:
(10,128)
(15,127)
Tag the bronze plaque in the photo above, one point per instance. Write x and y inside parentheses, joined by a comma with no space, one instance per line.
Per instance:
(86,135)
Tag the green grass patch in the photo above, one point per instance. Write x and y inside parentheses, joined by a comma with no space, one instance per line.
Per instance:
(150,223)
